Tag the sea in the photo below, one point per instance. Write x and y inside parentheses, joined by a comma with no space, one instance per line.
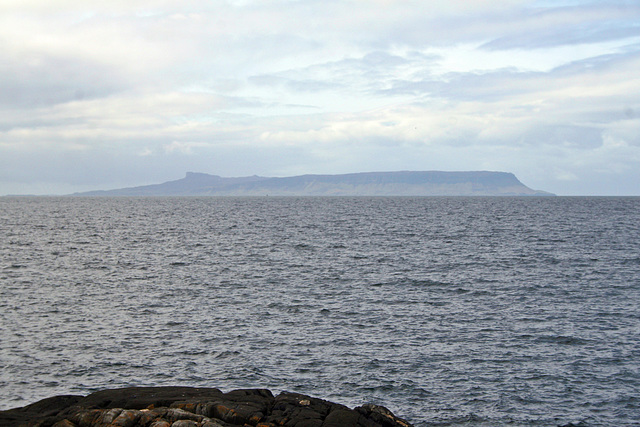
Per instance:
(449,311)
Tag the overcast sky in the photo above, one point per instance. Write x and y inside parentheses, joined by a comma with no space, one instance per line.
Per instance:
(99,95)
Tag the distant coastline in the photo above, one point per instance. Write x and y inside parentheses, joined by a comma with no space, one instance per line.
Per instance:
(402,183)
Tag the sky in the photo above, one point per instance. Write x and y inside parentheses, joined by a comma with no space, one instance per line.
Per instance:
(102,95)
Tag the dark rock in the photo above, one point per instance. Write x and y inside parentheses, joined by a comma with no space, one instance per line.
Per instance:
(342,417)
(380,415)
(41,410)
(142,397)
(195,407)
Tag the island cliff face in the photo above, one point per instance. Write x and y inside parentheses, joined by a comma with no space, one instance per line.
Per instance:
(195,407)
(405,183)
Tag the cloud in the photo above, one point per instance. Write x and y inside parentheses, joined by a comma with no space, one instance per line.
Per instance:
(183,147)
(139,91)
(44,81)
(550,26)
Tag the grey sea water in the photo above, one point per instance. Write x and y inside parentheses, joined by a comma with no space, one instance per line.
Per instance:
(449,311)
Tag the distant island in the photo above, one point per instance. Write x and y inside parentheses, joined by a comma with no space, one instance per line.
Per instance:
(403,183)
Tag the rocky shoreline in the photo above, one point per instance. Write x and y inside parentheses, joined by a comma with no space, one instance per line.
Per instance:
(195,407)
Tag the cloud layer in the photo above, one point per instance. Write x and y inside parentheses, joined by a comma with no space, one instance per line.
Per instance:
(129,93)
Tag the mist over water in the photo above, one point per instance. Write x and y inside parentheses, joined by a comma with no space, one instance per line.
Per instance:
(485,311)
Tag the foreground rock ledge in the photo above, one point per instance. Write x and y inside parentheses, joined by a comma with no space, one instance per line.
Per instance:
(195,407)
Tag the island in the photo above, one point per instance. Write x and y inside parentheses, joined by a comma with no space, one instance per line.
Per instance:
(403,183)
(195,407)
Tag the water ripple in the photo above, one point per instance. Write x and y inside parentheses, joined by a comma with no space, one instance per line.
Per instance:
(450,311)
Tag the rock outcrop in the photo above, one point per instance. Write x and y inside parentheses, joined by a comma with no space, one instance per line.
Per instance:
(195,407)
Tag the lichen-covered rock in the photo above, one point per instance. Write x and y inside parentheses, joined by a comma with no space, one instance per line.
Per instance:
(381,415)
(195,407)
(185,423)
